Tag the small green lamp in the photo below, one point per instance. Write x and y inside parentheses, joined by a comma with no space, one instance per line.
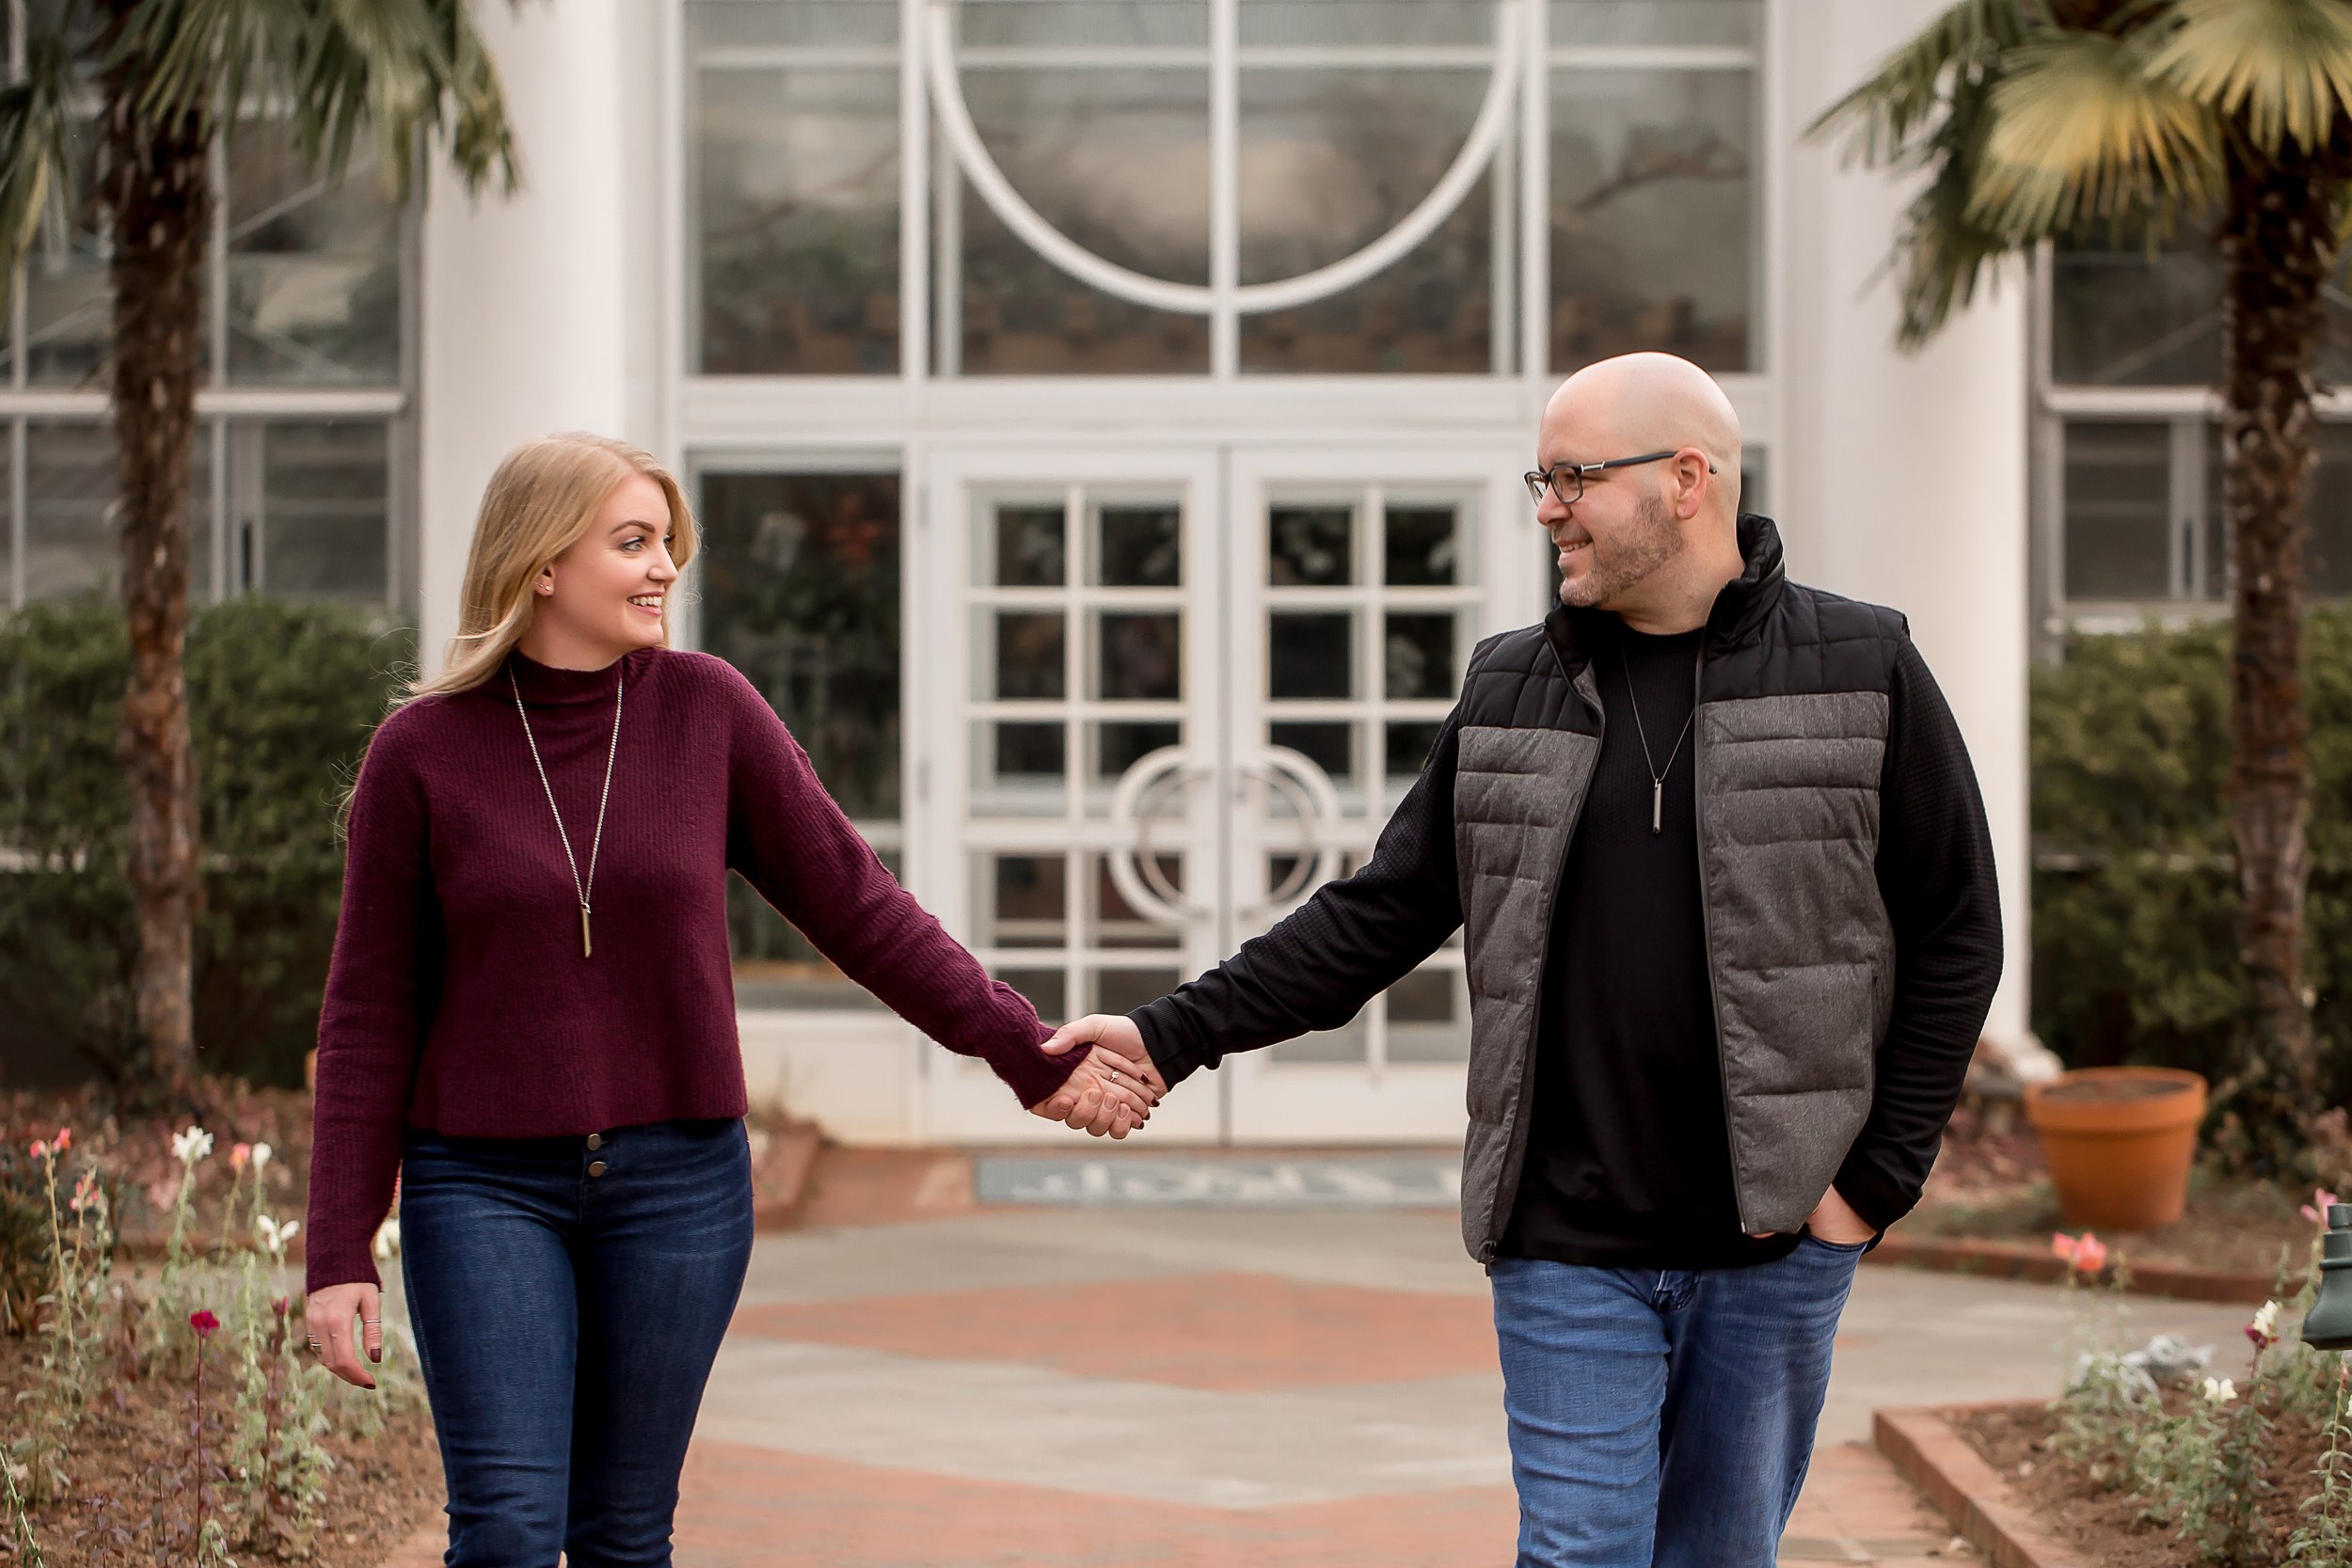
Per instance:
(2329,1324)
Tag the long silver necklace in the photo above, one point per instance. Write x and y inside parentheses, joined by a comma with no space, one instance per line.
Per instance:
(582,886)
(1657,774)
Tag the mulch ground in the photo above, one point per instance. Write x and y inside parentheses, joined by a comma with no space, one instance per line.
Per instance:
(2108,1528)
(131,1467)
(1992,1185)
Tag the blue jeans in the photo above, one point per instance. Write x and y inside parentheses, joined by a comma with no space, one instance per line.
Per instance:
(567,1305)
(1664,1419)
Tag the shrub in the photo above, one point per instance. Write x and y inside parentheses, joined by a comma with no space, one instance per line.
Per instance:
(2134,906)
(282,700)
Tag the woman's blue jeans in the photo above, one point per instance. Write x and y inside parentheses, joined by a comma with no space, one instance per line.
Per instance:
(1664,1419)
(568,1302)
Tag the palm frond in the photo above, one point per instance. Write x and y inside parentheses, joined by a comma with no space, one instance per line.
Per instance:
(2081,132)
(2284,66)
(1881,117)
(1943,248)
(37,167)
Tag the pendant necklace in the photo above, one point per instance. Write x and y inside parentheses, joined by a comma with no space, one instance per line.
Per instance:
(584,887)
(1657,774)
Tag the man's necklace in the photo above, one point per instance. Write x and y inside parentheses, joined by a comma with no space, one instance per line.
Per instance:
(1657,774)
(584,887)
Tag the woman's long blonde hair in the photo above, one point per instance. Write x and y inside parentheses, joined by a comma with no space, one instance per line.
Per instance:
(538,504)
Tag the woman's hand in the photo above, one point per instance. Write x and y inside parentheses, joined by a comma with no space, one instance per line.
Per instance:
(1109,1094)
(329,1313)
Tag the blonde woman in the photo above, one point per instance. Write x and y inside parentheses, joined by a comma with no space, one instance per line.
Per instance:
(530,1016)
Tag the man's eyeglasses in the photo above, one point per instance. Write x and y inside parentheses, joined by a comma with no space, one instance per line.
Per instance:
(1566,479)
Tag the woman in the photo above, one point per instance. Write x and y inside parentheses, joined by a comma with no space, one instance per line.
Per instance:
(530,1014)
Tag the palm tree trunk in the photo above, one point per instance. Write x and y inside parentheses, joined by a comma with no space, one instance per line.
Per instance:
(159,193)
(2279,247)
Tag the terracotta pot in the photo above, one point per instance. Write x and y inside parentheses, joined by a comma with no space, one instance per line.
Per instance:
(2120,1140)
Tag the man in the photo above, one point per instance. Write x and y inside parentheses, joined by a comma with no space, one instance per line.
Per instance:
(1732,931)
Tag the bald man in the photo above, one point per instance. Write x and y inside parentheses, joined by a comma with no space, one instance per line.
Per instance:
(1731,931)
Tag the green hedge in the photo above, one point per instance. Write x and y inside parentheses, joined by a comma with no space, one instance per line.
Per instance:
(282,700)
(2134,908)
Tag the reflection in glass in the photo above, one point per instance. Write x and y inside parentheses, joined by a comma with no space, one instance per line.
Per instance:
(1022,903)
(313,265)
(1029,750)
(777,967)
(1375,24)
(1652,215)
(795,222)
(1029,656)
(1418,657)
(782,24)
(1112,921)
(2119,487)
(69,308)
(799,585)
(1031,551)
(1721,22)
(1309,655)
(1118,162)
(326,507)
(72,531)
(2327,555)
(1407,747)
(1046,989)
(1019,769)
(1311,545)
(1139,656)
(1121,743)
(1330,746)
(1142,547)
(1420,546)
(1331,160)
(1122,991)
(1075,23)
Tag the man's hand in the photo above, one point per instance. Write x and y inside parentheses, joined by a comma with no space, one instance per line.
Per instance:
(329,1312)
(1114,1089)
(1836,1221)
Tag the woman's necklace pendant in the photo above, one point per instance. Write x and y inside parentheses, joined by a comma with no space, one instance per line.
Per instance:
(1657,808)
(585,950)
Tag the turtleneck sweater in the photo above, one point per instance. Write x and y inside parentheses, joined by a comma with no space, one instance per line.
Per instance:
(458,999)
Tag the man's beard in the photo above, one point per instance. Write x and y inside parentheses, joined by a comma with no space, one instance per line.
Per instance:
(1654,540)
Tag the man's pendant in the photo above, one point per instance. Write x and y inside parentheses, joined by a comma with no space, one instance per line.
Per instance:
(1657,813)
(585,950)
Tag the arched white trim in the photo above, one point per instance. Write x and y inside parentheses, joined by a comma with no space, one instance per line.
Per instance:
(1014,212)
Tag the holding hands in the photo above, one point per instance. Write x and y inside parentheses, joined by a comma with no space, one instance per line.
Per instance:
(1116,1086)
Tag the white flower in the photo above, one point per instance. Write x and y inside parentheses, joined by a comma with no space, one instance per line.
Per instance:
(2266,1321)
(192,1145)
(274,1235)
(387,1240)
(2220,1391)
(261,1153)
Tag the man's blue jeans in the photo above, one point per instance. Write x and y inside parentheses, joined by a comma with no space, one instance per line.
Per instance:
(565,1324)
(1664,1419)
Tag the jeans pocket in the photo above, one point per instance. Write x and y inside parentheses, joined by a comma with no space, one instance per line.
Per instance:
(1851,1249)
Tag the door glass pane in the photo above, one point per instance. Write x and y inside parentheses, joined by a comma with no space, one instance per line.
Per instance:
(2118,489)
(1023,901)
(1112,921)
(1653,221)
(1310,656)
(782,24)
(1421,546)
(315,292)
(1418,657)
(795,227)
(1027,656)
(1018,768)
(326,503)
(1367,23)
(1139,656)
(1138,546)
(1122,991)
(1026,548)
(1329,747)
(1407,747)
(799,581)
(72,530)
(1119,744)
(1073,23)
(1657,22)
(1429,1016)
(1311,545)
(1048,989)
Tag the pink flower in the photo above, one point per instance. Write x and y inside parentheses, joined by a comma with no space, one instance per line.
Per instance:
(2316,1209)
(278,1307)
(239,1155)
(2084,1253)
(40,1150)
(203,1321)
(63,1141)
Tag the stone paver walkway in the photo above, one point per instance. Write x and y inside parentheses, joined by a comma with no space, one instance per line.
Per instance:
(1170,1389)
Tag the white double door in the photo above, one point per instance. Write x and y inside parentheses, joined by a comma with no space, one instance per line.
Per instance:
(1165,692)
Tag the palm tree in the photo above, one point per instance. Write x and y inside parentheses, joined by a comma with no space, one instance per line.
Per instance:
(2036,120)
(163,80)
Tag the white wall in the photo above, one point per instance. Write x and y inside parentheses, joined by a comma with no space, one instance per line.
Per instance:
(540,310)
(1903,478)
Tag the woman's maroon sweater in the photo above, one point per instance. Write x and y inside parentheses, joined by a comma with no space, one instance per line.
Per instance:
(457,999)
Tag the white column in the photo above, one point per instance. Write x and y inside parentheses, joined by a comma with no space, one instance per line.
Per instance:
(1902,478)
(541,309)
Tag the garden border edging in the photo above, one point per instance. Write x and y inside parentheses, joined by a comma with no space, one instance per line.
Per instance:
(1920,1443)
(2015,1260)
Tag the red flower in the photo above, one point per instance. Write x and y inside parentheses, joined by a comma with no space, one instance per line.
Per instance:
(278,1307)
(203,1321)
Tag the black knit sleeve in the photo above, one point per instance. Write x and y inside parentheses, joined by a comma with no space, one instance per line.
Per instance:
(1935,873)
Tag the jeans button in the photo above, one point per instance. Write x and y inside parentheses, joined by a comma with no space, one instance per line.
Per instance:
(595,1141)
(595,1168)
